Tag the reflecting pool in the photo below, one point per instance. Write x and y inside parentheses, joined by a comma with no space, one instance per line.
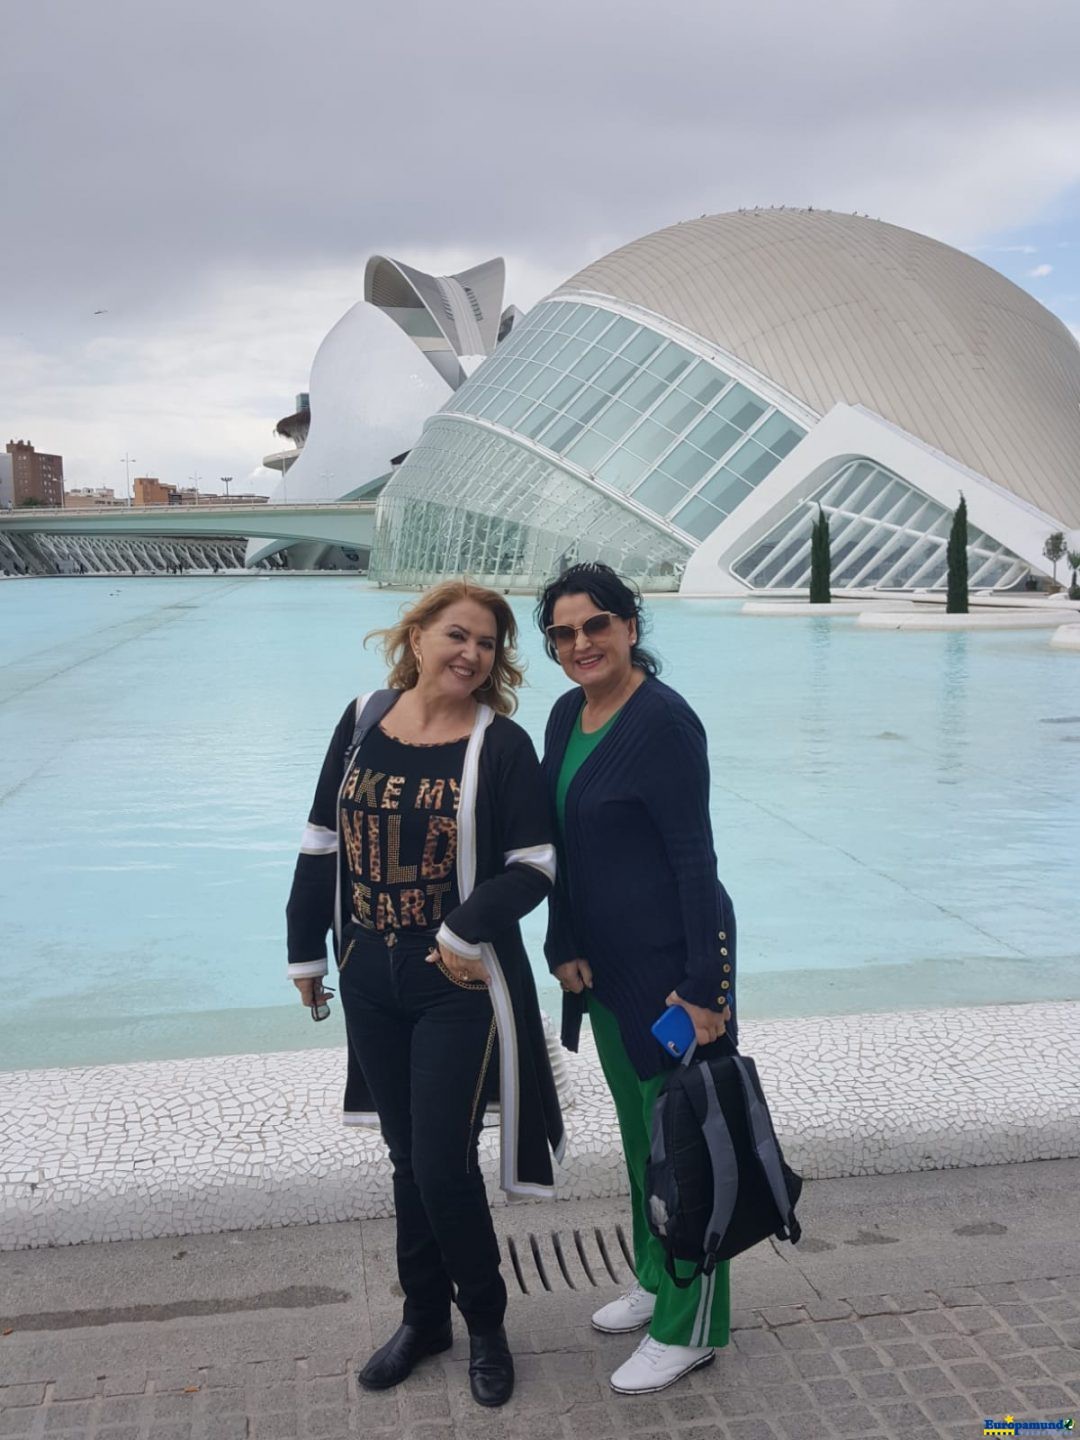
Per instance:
(897,814)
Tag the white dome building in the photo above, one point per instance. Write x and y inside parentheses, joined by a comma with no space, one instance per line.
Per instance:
(681,407)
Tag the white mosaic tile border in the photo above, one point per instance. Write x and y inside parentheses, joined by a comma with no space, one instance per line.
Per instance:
(241,1142)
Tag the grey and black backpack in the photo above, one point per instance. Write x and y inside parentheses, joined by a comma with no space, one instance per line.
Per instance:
(716,1181)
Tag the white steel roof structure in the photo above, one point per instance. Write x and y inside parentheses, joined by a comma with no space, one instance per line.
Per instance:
(452,319)
(681,407)
(839,308)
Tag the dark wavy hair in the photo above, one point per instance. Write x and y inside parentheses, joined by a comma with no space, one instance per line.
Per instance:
(607,591)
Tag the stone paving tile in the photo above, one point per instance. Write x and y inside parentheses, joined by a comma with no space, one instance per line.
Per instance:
(20,1421)
(928,1380)
(1024,1367)
(862,1358)
(130,1382)
(1034,1337)
(69,1415)
(1045,1397)
(865,1305)
(768,1370)
(827,1309)
(876,1368)
(932,1322)
(1001,1342)
(952,1347)
(881,1385)
(800,1337)
(22,1395)
(779,1315)
(904,1353)
(225,1427)
(886,1327)
(960,1295)
(909,1302)
(755,1342)
(853,1420)
(949,1407)
(832,1393)
(1001,1293)
(1039,1289)
(75,1387)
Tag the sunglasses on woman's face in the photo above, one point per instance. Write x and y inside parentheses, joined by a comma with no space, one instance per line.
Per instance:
(564,636)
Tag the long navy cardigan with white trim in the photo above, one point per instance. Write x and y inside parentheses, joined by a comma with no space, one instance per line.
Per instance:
(508,830)
(637,894)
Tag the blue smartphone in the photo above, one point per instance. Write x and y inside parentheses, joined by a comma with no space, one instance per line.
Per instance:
(675,1031)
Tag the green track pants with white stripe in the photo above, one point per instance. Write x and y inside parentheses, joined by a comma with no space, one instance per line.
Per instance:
(700,1314)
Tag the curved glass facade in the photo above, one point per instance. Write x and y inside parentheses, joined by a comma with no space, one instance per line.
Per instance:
(636,449)
(472,501)
(884,533)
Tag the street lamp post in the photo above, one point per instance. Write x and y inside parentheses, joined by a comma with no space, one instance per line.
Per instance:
(226,480)
(127,462)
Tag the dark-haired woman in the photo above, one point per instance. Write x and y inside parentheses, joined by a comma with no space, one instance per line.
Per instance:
(638,919)
(428,840)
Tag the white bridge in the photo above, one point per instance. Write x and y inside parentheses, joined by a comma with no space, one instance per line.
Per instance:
(160,538)
(344,522)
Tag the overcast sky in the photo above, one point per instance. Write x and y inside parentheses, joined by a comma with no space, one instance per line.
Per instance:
(214,176)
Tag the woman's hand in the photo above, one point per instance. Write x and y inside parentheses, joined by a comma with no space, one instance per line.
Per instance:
(311,989)
(307,988)
(461,967)
(575,976)
(709,1025)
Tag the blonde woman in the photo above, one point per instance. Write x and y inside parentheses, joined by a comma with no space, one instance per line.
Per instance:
(428,840)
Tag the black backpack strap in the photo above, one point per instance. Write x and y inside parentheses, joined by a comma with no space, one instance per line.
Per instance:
(700,1088)
(370,709)
(724,1162)
(766,1146)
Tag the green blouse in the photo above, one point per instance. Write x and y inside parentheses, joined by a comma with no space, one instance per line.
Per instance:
(578,749)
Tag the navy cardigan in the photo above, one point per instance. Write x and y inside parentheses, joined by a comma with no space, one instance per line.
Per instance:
(637,894)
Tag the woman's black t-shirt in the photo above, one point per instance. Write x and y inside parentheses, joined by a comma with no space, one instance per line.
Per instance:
(398,823)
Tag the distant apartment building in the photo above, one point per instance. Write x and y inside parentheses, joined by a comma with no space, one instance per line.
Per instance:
(150,491)
(7,488)
(86,498)
(35,479)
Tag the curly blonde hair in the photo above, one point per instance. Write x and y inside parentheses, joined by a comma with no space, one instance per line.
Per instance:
(507,673)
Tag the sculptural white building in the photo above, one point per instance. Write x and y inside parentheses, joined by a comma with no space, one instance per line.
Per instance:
(363,415)
(681,408)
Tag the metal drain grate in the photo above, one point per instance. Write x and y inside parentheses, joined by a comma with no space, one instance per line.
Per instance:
(569,1260)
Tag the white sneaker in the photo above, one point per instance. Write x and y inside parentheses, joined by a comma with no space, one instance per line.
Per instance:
(654,1366)
(633,1309)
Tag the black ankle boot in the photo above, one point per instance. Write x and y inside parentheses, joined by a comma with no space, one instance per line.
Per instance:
(491,1368)
(394,1361)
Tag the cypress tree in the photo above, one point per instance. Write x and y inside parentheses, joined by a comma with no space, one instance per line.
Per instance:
(957,603)
(820,560)
(1055,550)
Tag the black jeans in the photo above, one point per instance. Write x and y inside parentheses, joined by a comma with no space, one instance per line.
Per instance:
(427,1047)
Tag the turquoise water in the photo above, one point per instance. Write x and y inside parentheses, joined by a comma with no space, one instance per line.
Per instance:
(897,815)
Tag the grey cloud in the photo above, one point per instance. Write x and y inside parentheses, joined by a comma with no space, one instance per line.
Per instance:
(152,141)
(154,150)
